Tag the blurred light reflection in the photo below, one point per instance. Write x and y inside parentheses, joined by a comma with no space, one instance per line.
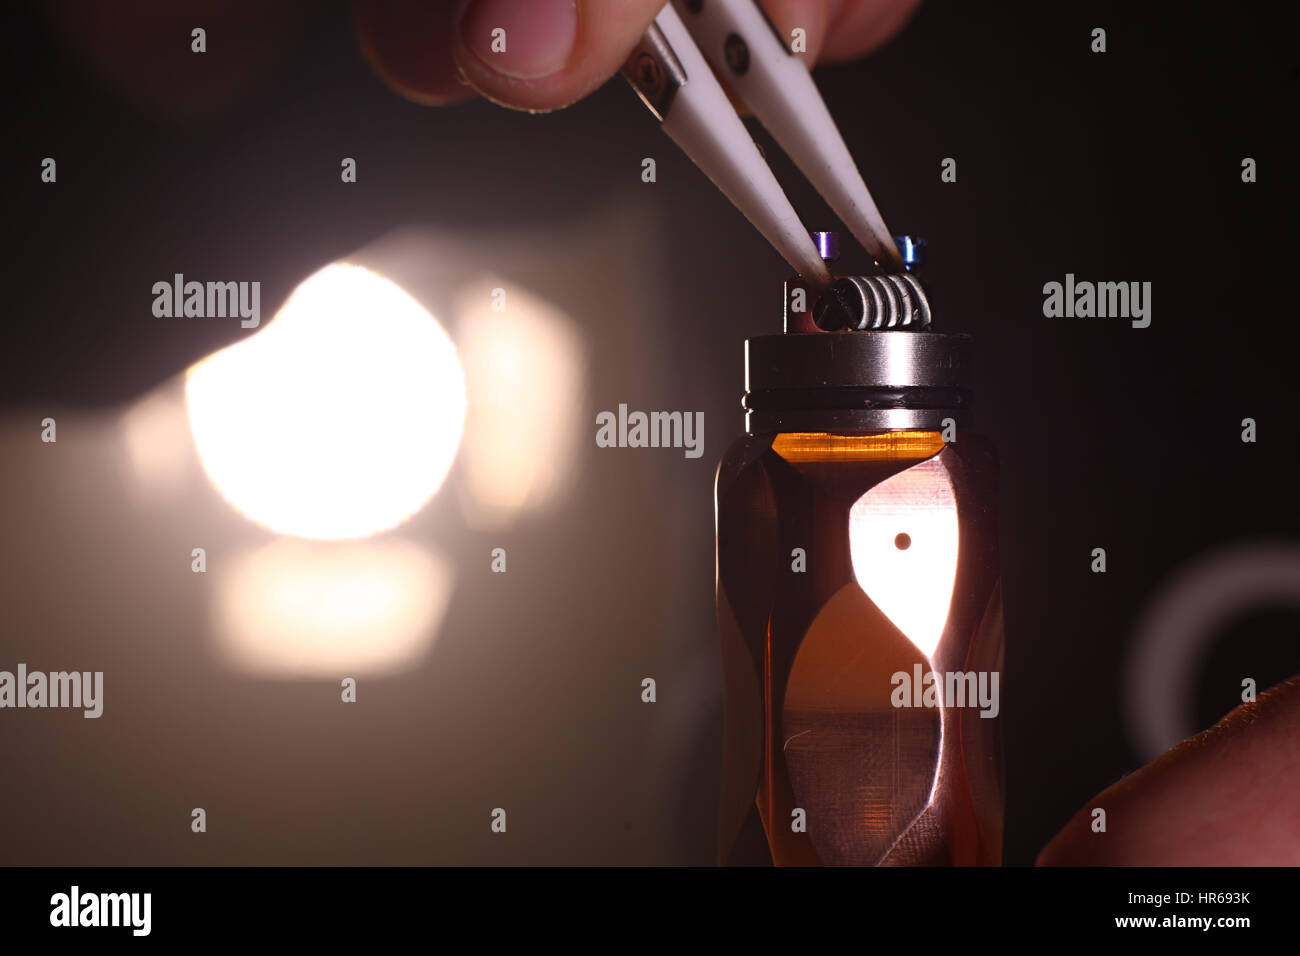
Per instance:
(338,419)
(524,371)
(301,609)
(159,448)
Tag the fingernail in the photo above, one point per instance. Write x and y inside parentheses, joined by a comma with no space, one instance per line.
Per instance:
(523,39)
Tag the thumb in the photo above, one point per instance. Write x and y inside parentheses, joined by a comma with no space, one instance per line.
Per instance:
(544,54)
(1225,797)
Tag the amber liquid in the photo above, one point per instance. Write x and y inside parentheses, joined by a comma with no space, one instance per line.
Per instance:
(821,766)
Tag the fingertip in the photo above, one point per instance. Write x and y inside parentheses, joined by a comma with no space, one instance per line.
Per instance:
(409,46)
(860,27)
(545,54)
(811,18)
(1220,798)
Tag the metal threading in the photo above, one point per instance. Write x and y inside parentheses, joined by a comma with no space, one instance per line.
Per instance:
(864,303)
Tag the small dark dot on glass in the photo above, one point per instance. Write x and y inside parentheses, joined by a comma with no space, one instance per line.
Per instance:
(903,541)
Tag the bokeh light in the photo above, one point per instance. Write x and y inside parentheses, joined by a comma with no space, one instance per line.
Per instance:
(525,372)
(338,419)
(300,609)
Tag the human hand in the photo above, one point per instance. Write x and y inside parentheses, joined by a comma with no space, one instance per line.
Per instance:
(557,51)
(1225,797)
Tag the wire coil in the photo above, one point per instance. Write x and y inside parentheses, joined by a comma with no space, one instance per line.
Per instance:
(866,303)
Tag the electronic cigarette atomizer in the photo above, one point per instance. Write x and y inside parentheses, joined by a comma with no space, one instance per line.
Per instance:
(859,599)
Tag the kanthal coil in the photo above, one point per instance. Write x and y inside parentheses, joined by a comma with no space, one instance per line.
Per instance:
(865,303)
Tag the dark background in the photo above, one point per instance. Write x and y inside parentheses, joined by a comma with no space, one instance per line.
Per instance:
(1121,166)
